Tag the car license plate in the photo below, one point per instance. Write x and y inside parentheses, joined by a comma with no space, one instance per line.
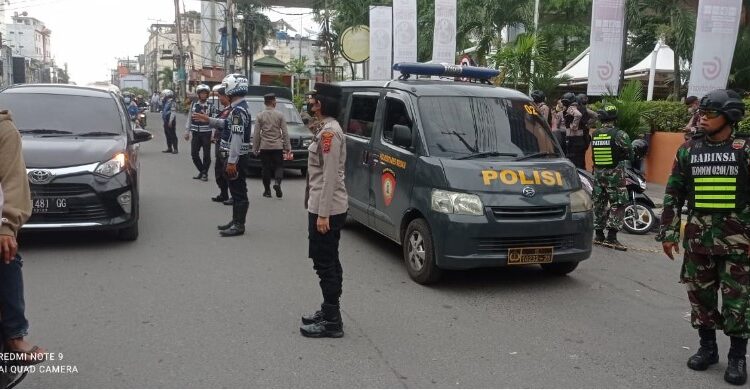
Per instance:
(534,255)
(50,205)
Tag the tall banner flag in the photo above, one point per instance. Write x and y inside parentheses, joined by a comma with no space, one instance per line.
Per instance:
(444,39)
(715,38)
(404,31)
(381,31)
(605,58)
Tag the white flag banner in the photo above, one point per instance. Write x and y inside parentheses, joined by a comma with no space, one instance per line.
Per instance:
(605,58)
(381,30)
(404,32)
(715,38)
(444,39)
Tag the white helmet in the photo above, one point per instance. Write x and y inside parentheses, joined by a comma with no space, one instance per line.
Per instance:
(202,88)
(167,93)
(235,85)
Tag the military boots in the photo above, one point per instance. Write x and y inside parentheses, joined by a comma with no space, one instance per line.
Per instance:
(736,372)
(708,353)
(599,237)
(611,241)
(330,325)
(239,214)
(310,319)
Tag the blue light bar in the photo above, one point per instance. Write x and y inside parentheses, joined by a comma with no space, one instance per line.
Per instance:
(472,72)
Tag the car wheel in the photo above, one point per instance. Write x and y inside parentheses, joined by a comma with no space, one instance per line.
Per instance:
(129,233)
(561,269)
(419,253)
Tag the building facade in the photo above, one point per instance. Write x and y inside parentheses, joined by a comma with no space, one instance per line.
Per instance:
(28,37)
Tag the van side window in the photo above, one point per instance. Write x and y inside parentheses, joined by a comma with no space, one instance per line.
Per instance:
(395,114)
(362,116)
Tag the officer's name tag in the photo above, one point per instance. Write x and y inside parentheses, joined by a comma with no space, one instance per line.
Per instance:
(238,129)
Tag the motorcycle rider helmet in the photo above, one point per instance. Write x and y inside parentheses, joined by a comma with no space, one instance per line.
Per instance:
(726,102)
(219,89)
(202,88)
(538,96)
(607,114)
(127,97)
(568,98)
(640,148)
(235,85)
(582,99)
(167,93)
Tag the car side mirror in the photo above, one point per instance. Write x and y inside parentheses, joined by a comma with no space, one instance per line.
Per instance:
(402,136)
(140,135)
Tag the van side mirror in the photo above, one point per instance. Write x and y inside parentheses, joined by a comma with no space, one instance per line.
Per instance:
(402,136)
(140,135)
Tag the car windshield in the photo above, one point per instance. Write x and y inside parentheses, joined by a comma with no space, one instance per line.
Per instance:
(69,114)
(484,127)
(290,113)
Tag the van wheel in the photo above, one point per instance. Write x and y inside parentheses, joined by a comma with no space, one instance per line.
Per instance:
(561,269)
(129,233)
(419,254)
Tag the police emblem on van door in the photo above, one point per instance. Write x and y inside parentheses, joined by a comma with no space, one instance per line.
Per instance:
(388,181)
(528,192)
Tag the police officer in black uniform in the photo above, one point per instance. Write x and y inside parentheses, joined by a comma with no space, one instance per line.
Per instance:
(200,132)
(235,145)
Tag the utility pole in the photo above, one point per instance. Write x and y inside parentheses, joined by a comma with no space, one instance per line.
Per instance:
(230,35)
(181,60)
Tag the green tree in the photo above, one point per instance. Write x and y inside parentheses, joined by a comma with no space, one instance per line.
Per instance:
(166,78)
(298,67)
(482,22)
(259,25)
(566,26)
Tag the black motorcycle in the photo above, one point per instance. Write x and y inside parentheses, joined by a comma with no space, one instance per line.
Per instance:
(639,213)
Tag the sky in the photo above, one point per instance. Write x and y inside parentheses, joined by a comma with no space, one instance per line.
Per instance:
(89,35)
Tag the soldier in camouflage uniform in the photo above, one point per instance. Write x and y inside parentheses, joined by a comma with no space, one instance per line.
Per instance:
(611,152)
(710,173)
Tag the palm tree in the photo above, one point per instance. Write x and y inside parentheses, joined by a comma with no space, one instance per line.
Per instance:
(298,67)
(166,78)
(259,23)
(483,21)
(515,60)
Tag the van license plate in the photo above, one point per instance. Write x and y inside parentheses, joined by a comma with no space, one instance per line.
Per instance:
(49,205)
(537,255)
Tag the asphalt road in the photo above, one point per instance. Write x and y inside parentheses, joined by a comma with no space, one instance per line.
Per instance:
(184,308)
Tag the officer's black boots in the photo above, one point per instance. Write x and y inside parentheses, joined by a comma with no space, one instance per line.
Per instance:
(220,198)
(204,177)
(310,319)
(198,176)
(277,188)
(708,353)
(612,242)
(229,202)
(330,325)
(267,193)
(599,237)
(239,214)
(226,226)
(736,372)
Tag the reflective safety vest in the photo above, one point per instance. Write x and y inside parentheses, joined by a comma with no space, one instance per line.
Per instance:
(718,178)
(606,152)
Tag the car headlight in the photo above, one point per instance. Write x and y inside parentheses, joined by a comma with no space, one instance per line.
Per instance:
(306,143)
(112,167)
(580,202)
(447,202)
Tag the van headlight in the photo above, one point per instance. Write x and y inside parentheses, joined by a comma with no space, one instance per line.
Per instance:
(447,202)
(580,202)
(112,167)
(306,142)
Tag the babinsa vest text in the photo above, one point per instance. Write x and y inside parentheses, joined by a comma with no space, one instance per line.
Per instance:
(606,152)
(718,177)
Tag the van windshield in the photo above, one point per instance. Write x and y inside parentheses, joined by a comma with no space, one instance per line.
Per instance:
(464,127)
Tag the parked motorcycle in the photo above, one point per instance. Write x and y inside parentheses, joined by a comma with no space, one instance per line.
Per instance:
(10,375)
(639,213)
(141,120)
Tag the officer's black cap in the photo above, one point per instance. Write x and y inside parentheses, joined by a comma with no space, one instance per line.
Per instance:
(311,92)
(269,97)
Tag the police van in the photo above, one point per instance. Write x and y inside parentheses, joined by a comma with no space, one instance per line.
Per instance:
(463,175)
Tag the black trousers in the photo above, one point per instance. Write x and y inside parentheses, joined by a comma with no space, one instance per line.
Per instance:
(577,151)
(219,167)
(201,140)
(324,252)
(273,162)
(170,133)
(238,185)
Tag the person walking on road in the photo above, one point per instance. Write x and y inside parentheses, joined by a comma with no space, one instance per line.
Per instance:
(326,200)
(235,146)
(15,203)
(201,133)
(169,118)
(611,153)
(711,174)
(271,141)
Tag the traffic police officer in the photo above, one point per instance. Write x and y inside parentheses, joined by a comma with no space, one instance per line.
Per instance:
(201,133)
(611,153)
(271,141)
(169,118)
(327,204)
(235,145)
(219,110)
(711,174)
